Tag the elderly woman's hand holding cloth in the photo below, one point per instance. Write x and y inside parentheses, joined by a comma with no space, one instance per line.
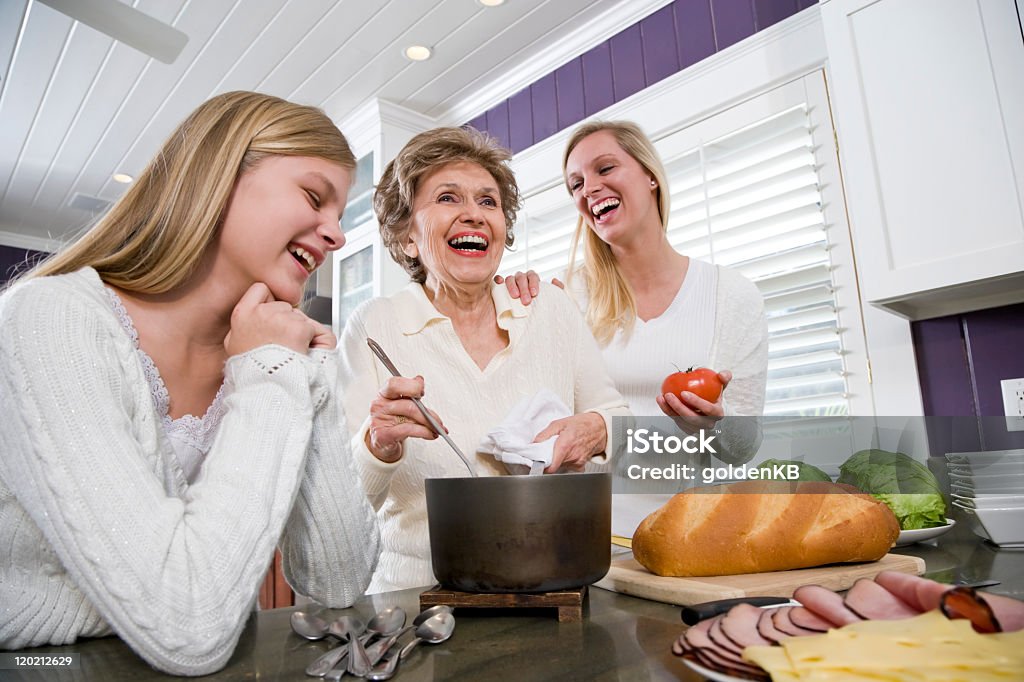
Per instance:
(446,206)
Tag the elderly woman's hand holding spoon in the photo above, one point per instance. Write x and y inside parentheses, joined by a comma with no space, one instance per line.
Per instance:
(394,417)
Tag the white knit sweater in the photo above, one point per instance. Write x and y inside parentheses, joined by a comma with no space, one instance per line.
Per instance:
(549,346)
(99,530)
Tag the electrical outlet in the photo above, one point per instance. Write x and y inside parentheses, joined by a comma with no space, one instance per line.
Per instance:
(1013,403)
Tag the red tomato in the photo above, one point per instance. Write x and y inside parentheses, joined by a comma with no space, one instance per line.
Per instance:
(702,382)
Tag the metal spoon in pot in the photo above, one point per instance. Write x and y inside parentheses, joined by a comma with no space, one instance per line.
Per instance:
(438,429)
(433,630)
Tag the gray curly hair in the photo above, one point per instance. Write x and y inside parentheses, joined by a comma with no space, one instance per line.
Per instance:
(393,198)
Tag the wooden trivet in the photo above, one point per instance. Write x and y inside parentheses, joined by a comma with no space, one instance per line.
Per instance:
(568,602)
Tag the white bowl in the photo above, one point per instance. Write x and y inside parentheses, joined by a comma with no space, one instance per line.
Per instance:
(1003,526)
(989,501)
(970,488)
(995,469)
(988,479)
(977,460)
(909,537)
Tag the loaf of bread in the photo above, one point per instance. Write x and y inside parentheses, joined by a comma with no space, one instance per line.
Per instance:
(758,526)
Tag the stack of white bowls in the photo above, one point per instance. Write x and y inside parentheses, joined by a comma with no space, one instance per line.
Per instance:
(989,488)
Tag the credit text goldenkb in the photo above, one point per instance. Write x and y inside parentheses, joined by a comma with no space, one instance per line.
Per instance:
(688,472)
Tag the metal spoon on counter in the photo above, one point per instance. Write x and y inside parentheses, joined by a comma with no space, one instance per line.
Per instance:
(343,628)
(378,649)
(433,630)
(309,626)
(384,623)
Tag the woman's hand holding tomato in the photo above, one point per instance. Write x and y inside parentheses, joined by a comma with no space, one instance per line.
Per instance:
(694,398)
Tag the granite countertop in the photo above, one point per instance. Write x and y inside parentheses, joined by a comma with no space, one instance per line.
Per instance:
(620,638)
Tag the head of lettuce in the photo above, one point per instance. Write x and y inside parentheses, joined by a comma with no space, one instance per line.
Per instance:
(906,485)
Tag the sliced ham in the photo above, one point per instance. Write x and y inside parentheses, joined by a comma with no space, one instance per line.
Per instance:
(871,601)
(718,642)
(722,640)
(697,644)
(826,604)
(766,628)
(808,620)
(924,595)
(965,602)
(919,593)
(780,619)
(697,637)
(711,659)
(740,626)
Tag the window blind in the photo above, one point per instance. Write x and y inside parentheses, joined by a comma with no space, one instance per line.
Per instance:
(751,200)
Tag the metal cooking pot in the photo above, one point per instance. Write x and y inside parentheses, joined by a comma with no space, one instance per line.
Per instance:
(520,533)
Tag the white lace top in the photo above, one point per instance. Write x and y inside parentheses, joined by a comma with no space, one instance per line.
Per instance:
(191,437)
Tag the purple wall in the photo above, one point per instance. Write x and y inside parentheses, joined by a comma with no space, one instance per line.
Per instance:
(677,36)
(962,358)
(14,260)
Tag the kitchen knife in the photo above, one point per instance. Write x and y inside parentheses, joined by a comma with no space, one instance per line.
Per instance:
(695,613)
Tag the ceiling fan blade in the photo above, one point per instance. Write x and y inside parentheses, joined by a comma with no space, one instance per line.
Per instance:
(127,25)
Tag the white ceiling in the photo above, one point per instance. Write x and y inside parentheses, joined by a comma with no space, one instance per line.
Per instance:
(77,107)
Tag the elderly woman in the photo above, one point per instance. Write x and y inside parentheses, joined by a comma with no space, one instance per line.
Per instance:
(446,206)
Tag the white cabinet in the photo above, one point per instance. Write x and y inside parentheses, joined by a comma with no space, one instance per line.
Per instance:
(928,99)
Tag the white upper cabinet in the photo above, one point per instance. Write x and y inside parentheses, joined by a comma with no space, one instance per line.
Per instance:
(929,108)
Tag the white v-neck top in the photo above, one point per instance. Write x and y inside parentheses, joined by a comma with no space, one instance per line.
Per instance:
(677,339)
(716,320)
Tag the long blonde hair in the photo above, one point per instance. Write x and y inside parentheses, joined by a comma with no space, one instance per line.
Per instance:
(153,238)
(611,305)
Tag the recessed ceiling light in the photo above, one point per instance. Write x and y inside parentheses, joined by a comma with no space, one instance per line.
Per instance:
(417,53)
(123,178)
(491,3)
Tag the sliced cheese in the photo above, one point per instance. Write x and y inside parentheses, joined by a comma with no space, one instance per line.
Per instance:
(926,647)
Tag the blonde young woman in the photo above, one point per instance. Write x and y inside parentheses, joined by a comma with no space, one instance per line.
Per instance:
(650,307)
(169,412)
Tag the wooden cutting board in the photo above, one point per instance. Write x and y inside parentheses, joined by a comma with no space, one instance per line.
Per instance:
(629,577)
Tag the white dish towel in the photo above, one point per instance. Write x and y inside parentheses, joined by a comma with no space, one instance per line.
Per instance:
(511,441)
